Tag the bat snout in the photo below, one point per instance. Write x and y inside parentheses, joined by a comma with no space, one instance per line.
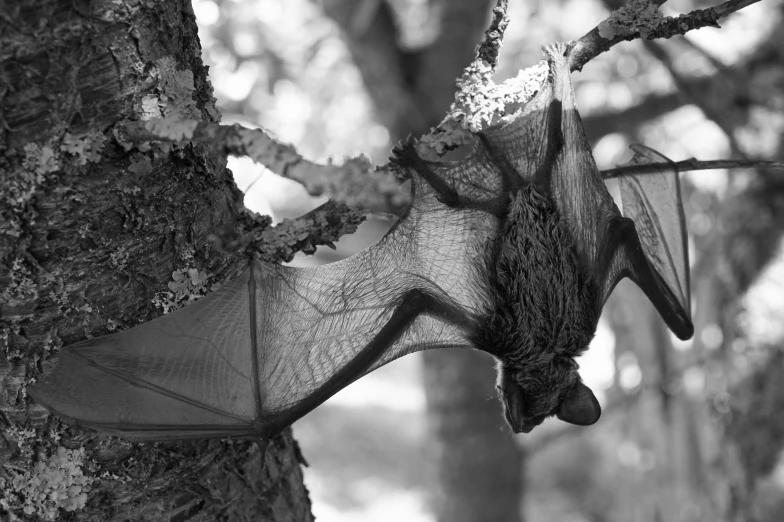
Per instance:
(527,425)
(511,396)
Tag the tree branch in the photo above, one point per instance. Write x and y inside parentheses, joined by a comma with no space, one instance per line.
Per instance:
(626,24)
(354,182)
(479,104)
(494,36)
(689,164)
(321,226)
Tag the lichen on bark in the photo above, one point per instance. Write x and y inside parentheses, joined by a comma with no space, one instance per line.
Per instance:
(92,228)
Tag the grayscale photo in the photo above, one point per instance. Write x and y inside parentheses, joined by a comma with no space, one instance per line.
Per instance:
(392,260)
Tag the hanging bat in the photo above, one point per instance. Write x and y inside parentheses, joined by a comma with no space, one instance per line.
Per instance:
(512,250)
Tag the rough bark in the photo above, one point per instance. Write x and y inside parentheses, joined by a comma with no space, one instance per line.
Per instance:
(91,230)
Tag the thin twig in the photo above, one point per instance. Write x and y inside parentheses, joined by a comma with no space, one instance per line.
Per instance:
(593,44)
(690,164)
(732,6)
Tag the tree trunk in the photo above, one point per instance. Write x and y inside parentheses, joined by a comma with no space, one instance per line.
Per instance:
(90,230)
(480,466)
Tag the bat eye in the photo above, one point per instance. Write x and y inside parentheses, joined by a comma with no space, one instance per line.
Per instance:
(579,406)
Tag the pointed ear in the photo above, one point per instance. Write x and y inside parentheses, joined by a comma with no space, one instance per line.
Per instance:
(579,406)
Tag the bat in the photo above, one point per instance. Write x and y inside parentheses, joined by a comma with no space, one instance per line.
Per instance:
(513,250)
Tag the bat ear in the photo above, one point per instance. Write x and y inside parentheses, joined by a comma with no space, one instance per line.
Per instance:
(579,406)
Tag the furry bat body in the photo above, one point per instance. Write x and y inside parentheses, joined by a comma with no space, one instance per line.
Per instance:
(512,250)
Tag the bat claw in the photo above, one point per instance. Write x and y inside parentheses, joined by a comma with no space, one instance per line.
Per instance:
(558,50)
(404,154)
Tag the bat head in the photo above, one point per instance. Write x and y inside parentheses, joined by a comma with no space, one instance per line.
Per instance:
(530,397)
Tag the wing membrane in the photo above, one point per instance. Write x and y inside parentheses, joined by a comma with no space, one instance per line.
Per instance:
(248,359)
(186,369)
(653,202)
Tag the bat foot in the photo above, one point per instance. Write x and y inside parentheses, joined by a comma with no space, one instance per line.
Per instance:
(558,51)
(404,154)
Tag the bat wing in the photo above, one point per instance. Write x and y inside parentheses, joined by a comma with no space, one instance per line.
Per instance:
(274,343)
(653,202)
(186,374)
(648,245)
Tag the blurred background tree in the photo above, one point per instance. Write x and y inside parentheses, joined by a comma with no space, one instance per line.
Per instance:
(691,431)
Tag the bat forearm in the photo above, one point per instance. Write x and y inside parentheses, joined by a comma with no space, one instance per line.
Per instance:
(412,304)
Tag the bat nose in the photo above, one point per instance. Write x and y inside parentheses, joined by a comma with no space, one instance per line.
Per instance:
(518,422)
(530,423)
